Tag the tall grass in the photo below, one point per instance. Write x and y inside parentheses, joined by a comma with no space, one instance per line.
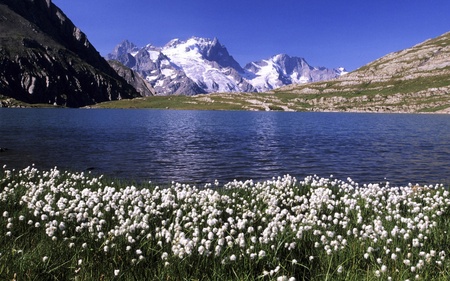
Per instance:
(59,225)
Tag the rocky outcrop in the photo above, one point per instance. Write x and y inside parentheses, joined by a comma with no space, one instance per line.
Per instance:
(45,58)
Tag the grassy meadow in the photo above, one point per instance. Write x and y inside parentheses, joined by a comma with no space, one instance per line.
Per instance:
(60,225)
(213,101)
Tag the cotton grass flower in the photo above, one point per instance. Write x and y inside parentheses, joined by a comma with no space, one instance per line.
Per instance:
(317,217)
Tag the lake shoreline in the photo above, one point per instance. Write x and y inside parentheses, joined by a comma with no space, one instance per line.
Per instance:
(268,101)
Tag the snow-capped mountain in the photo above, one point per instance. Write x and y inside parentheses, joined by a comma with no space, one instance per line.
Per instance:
(201,65)
(207,63)
(165,77)
(281,70)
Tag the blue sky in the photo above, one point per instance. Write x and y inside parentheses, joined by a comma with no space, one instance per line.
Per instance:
(327,33)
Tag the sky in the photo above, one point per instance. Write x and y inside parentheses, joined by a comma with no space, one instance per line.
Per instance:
(329,33)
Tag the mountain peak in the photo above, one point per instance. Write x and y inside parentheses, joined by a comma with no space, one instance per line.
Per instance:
(200,44)
(123,48)
(173,43)
(280,57)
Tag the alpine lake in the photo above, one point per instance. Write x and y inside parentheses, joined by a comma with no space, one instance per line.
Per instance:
(201,147)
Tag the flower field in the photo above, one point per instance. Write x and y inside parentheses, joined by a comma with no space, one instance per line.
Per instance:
(59,225)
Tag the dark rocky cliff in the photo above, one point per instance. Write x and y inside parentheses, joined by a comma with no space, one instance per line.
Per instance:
(45,58)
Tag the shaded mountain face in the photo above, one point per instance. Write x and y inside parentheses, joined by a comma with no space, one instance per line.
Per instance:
(44,58)
(416,79)
(133,78)
(201,65)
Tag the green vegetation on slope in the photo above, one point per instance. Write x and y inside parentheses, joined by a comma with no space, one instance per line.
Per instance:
(219,101)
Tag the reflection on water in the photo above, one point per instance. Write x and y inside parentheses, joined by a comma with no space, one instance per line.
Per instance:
(201,146)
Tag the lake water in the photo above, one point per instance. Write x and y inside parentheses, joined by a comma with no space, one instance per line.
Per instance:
(201,146)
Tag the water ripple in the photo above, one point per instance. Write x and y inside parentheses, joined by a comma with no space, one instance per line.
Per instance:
(201,146)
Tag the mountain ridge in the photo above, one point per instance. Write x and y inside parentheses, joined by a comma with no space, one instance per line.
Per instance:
(282,69)
(206,66)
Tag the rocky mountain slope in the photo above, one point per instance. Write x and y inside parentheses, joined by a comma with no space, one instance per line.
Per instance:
(201,65)
(416,79)
(133,78)
(45,58)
